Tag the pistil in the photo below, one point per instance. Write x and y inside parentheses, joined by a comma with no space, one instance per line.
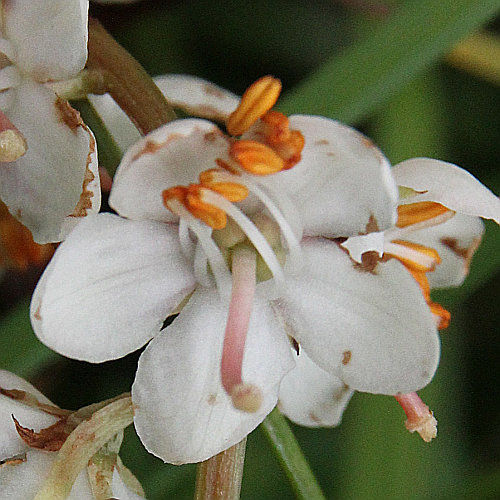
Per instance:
(419,417)
(245,397)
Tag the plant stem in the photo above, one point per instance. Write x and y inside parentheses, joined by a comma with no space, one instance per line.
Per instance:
(127,81)
(291,457)
(220,477)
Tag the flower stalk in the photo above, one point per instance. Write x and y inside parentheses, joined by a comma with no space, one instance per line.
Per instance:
(220,477)
(126,81)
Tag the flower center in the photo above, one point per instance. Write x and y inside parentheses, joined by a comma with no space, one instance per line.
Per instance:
(236,245)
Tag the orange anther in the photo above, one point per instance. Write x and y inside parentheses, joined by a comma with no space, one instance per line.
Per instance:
(419,212)
(425,262)
(276,129)
(257,100)
(441,313)
(291,149)
(218,181)
(212,216)
(256,158)
(173,197)
(17,249)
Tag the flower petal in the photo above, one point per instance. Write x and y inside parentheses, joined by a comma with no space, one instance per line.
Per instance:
(371,328)
(445,183)
(172,155)
(343,185)
(50,37)
(44,186)
(182,412)
(10,442)
(109,287)
(456,240)
(312,397)
(24,480)
(197,96)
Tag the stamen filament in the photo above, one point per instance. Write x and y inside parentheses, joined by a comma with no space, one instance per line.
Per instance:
(245,397)
(249,228)
(419,417)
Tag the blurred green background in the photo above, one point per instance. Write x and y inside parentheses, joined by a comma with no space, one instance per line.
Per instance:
(378,65)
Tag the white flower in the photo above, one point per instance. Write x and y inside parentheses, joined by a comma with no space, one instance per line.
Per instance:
(23,468)
(112,283)
(55,182)
(438,228)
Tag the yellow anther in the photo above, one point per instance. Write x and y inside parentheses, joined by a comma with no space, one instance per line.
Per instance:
(257,100)
(218,181)
(256,158)
(212,216)
(419,212)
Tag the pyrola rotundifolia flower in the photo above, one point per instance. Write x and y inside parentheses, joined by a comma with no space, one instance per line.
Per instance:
(48,177)
(241,233)
(32,430)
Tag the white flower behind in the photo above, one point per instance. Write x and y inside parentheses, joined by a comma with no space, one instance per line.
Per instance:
(56,181)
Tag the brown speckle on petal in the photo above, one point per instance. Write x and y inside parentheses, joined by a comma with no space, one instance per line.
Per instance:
(67,115)
(13,461)
(212,90)
(85,202)
(49,439)
(346,357)
(151,147)
(314,417)
(465,253)
(212,399)
(321,142)
(371,225)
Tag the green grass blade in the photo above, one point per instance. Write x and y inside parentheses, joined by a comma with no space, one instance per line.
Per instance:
(354,83)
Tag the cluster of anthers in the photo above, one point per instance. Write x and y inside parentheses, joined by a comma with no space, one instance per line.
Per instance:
(250,242)
(418,259)
(269,147)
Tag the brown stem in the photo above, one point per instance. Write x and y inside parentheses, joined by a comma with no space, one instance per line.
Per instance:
(220,477)
(127,81)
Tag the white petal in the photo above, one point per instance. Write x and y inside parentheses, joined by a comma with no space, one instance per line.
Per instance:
(445,183)
(358,245)
(10,442)
(373,330)
(117,122)
(312,397)
(197,96)
(22,481)
(455,241)
(342,182)
(50,37)
(182,412)
(172,155)
(109,287)
(44,186)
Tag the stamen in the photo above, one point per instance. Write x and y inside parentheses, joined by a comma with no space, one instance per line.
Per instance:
(441,315)
(249,228)
(200,266)
(257,100)
(412,255)
(419,417)
(12,143)
(187,245)
(245,397)
(174,199)
(231,190)
(292,241)
(413,213)
(256,158)
(209,214)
